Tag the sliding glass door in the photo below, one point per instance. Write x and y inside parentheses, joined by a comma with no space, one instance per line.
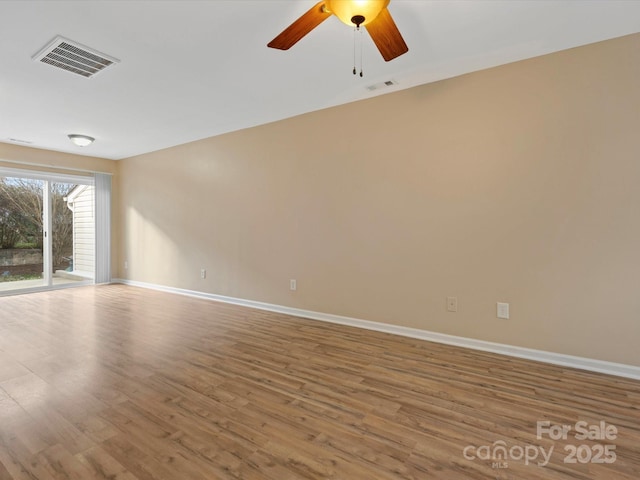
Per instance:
(21,233)
(47,230)
(72,232)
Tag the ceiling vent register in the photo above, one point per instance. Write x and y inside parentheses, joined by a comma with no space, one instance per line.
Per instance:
(74,57)
(377,86)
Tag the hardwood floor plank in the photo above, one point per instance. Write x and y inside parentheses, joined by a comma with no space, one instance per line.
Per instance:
(102,465)
(141,465)
(19,462)
(120,383)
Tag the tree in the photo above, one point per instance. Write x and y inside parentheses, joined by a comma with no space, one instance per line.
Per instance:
(22,201)
(9,226)
(14,224)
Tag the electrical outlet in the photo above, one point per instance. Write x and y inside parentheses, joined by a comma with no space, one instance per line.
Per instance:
(503,310)
(203,273)
(452,304)
(293,284)
(126,265)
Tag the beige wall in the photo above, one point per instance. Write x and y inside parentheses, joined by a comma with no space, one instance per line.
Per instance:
(516,184)
(56,161)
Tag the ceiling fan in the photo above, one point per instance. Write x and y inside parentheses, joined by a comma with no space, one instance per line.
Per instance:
(372,14)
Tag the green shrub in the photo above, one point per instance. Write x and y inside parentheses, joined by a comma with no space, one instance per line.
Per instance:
(26,245)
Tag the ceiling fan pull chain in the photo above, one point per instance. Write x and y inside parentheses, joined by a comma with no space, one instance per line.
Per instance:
(361,49)
(357,34)
(354,50)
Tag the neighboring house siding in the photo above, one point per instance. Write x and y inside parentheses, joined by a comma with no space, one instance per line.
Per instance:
(84,239)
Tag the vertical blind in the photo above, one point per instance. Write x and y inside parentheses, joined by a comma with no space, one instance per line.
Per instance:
(103,227)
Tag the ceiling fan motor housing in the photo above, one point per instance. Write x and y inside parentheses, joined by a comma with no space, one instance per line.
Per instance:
(357,20)
(356,12)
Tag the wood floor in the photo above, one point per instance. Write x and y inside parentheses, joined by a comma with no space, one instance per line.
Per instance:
(120,383)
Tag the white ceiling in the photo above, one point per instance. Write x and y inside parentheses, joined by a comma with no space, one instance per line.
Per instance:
(195,69)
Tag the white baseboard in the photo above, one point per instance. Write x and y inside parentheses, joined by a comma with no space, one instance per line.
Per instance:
(583,363)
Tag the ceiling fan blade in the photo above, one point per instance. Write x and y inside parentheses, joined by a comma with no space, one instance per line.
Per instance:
(386,36)
(298,29)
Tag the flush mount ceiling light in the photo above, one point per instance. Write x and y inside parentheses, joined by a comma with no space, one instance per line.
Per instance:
(81,140)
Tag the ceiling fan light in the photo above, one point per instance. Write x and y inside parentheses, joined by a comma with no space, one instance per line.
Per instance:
(81,140)
(345,10)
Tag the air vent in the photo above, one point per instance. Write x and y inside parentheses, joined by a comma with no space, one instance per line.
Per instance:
(74,57)
(377,86)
